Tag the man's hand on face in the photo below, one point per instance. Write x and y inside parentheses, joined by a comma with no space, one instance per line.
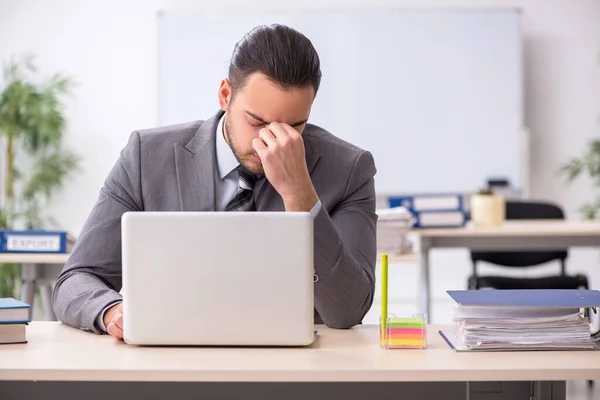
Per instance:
(281,151)
(113,320)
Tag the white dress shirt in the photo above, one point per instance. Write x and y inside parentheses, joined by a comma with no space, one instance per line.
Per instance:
(226,186)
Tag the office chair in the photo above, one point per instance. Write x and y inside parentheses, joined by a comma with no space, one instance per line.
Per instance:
(523,259)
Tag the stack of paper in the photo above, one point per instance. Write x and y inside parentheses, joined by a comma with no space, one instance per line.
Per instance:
(393,226)
(496,320)
(523,329)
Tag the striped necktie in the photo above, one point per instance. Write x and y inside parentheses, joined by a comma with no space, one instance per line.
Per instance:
(243,200)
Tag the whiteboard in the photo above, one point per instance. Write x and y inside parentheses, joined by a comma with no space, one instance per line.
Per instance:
(435,95)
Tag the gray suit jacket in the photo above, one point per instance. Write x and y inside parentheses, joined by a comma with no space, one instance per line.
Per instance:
(172,169)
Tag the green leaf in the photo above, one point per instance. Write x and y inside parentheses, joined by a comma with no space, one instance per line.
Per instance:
(17,174)
(33,216)
(10,278)
(49,173)
(46,123)
(589,211)
(572,169)
(13,69)
(4,219)
(33,112)
(592,163)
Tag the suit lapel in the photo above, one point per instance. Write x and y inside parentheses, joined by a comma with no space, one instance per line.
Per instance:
(311,162)
(195,168)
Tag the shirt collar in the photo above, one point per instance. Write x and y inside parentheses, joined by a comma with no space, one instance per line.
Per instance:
(226,160)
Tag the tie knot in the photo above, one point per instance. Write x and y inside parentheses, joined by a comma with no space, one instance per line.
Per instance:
(247,179)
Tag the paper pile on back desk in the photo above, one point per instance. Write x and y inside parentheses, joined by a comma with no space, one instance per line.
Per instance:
(526,328)
(393,226)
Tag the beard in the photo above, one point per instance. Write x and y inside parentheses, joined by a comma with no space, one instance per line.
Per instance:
(242,158)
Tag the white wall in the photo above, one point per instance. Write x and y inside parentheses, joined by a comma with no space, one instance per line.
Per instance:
(110,47)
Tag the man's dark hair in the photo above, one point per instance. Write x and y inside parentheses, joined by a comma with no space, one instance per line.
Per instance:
(283,54)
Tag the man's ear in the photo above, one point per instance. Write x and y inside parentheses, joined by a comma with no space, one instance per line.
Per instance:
(225,94)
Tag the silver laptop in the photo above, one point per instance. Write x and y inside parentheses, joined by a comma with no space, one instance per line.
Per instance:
(218,278)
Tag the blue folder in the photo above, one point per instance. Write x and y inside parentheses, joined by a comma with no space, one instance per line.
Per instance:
(445,198)
(33,241)
(571,298)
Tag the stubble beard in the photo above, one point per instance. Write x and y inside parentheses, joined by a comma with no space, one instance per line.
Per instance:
(237,153)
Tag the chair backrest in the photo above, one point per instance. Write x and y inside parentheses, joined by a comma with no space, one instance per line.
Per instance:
(532,210)
(525,210)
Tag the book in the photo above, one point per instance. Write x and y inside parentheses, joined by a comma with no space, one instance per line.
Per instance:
(13,333)
(538,319)
(13,311)
(33,241)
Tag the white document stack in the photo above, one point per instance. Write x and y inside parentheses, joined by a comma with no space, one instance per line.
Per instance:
(393,226)
(519,328)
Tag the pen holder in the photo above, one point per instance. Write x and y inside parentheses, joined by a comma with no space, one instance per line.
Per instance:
(488,210)
(403,333)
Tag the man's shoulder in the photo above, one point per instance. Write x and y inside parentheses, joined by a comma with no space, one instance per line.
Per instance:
(167,135)
(322,141)
(340,165)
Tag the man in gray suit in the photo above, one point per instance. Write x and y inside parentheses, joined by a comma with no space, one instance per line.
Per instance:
(257,153)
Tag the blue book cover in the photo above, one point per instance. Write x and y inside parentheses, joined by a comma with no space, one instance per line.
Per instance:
(13,311)
(9,303)
(572,298)
(32,241)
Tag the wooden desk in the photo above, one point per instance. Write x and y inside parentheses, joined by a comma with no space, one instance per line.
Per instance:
(512,236)
(33,258)
(56,352)
(37,270)
(400,258)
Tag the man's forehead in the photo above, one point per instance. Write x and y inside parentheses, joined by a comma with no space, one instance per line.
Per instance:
(293,123)
(269,102)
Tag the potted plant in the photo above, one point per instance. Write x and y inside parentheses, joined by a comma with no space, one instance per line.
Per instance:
(34,164)
(588,163)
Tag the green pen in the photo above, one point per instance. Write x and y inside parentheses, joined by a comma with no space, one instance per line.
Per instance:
(384,298)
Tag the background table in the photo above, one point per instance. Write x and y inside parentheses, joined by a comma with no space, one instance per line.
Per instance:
(37,270)
(512,236)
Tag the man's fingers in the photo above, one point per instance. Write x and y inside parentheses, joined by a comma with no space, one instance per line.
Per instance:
(115,327)
(290,131)
(267,137)
(110,314)
(114,330)
(278,130)
(119,320)
(259,146)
